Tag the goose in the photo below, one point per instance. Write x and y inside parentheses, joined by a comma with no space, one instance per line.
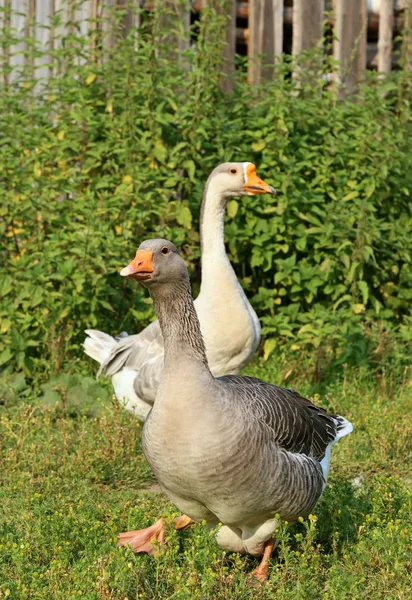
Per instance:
(230,326)
(233,449)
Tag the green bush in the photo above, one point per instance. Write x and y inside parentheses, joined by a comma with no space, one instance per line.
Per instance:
(109,152)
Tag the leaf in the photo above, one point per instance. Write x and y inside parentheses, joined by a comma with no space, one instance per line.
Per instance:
(232,208)
(345,260)
(306,329)
(268,347)
(5,356)
(258,146)
(369,188)
(367,252)
(5,325)
(358,308)
(351,195)
(106,304)
(325,264)
(344,298)
(183,215)
(90,78)
(160,151)
(352,270)
(37,297)
(363,286)
(6,285)
(190,166)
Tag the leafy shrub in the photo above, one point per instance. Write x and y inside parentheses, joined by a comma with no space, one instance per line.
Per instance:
(110,152)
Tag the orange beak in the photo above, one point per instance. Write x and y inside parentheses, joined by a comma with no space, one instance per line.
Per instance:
(254,184)
(141,266)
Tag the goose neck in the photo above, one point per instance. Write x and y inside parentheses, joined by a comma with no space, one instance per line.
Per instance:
(212,221)
(180,325)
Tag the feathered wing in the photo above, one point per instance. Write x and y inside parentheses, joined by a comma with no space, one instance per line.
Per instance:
(131,351)
(135,363)
(298,425)
(136,350)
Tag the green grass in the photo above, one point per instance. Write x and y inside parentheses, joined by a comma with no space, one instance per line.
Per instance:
(70,482)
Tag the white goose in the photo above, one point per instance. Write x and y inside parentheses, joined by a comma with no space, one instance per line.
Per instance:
(229,324)
(234,450)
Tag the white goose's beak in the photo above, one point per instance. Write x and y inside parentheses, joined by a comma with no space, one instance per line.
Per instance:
(254,184)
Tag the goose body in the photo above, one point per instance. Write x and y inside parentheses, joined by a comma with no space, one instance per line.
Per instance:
(229,324)
(231,449)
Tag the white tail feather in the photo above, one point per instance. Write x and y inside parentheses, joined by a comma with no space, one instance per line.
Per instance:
(344,427)
(98,345)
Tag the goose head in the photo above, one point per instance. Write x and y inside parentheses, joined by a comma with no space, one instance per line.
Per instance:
(157,262)
(237,179)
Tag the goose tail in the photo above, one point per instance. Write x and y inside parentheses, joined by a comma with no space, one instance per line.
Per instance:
(343,427)
(99,345)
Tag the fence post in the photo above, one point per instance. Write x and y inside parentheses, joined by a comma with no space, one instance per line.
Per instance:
(265,37)
(167,13)
(407,36)
(29,32)
(307,24)
(350,46)
(385,36)
(6,48)
(228,9)
(306,34)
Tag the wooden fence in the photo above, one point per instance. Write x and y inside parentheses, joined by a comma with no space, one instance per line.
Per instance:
(364,30)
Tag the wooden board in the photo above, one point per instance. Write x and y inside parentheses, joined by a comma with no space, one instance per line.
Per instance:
(350,44)
(265,39)
(385,36)
(307,24)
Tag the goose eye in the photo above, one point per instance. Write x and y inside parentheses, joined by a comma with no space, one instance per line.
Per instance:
(233,171)
(165,250)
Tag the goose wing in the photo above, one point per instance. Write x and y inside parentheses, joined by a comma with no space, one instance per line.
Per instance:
(297,424)
(135,351)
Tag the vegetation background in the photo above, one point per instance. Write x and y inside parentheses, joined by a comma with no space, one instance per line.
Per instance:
(116,148)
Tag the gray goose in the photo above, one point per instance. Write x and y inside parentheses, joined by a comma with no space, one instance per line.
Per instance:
(229,324)
(232,450)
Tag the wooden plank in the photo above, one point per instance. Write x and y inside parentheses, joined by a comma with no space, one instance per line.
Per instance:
(29,31)
(230,48)
(278,9)
(169,13)
(5,25)
(131,16)
(41,32)
(407,37)
(385,36)
(307,24)
(52,34)
(349,47)
(265,38)
(227,8)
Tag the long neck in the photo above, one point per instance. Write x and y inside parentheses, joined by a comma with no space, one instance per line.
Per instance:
(180,325)
(214,257)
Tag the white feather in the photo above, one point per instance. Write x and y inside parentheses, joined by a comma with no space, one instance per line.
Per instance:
(345,427)
(123,388)
(98,345)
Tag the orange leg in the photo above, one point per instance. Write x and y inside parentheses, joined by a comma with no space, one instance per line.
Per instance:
(262,571)
(182,522)
(141,539)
